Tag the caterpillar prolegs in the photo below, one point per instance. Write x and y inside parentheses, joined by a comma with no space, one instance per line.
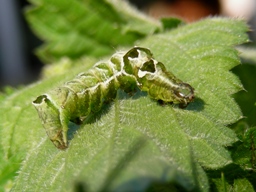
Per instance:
(88,91)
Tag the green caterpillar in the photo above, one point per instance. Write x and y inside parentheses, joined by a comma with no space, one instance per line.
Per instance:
(85,94)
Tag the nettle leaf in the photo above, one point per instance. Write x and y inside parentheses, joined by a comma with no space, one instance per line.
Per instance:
(134,142)
(79,27)
(8,170)
(237,185)
(243,153)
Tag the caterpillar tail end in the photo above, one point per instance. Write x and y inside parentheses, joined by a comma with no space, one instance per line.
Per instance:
(59,142)
(50,119)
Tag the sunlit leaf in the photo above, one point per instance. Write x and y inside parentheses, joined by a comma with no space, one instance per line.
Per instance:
(134,141)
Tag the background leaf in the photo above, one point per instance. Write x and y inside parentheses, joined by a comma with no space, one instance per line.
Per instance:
(244,152)
(246,98)
(237,185)
(68,27)
(134,142)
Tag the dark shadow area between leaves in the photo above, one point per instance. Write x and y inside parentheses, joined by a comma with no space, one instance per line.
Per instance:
(150,185)
(80,186)
(165,187)
(231,172)
(246,99)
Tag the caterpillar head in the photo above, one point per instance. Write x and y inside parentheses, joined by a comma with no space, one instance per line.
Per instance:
(184,94)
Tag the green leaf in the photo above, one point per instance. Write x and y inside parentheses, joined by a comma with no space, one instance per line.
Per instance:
(170,23)
(76,28)
(8,169)
(244,152)
(246,98)
(241,185)
(7,90)
(134,142)
(244,163)
(238,185)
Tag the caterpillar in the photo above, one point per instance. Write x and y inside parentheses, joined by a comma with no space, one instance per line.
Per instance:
(88,91)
